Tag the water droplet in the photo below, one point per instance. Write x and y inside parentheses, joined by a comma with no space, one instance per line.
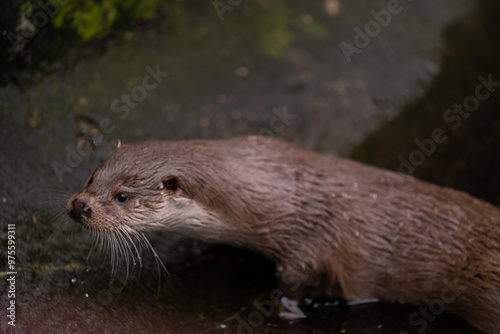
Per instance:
(73,280)
(86,295)
(222,325)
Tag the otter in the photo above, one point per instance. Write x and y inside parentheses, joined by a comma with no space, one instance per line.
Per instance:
(331,225)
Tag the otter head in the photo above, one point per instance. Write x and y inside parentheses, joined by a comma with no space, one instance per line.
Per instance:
(138,189)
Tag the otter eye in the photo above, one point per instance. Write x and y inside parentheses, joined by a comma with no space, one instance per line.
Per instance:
(121,197)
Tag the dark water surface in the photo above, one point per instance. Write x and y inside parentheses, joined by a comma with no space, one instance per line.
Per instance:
(216,79)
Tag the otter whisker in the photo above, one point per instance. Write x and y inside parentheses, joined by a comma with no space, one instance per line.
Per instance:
(115,252)
(106,246)
(128,249)
(109,245)
(127,235)
(96,243)
(142,239)
(101,242)
(130,236)
(131,248)
(121,245)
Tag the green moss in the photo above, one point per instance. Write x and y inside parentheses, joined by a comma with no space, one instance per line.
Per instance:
(273,32)
(96,20)
(78,29)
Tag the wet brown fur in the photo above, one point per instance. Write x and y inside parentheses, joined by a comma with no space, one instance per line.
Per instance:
(332,225)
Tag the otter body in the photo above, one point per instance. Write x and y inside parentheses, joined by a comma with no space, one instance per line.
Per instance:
(331,225)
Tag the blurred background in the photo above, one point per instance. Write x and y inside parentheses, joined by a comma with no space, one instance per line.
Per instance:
(371,80)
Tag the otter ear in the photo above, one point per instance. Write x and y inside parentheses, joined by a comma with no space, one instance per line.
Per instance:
(171,182)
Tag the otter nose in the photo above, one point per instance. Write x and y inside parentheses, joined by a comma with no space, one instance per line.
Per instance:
(79,210)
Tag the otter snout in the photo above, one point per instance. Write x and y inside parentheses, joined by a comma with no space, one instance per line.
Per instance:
(78,209)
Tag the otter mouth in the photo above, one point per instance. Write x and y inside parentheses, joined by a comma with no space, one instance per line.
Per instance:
(123,244)
(80,211)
